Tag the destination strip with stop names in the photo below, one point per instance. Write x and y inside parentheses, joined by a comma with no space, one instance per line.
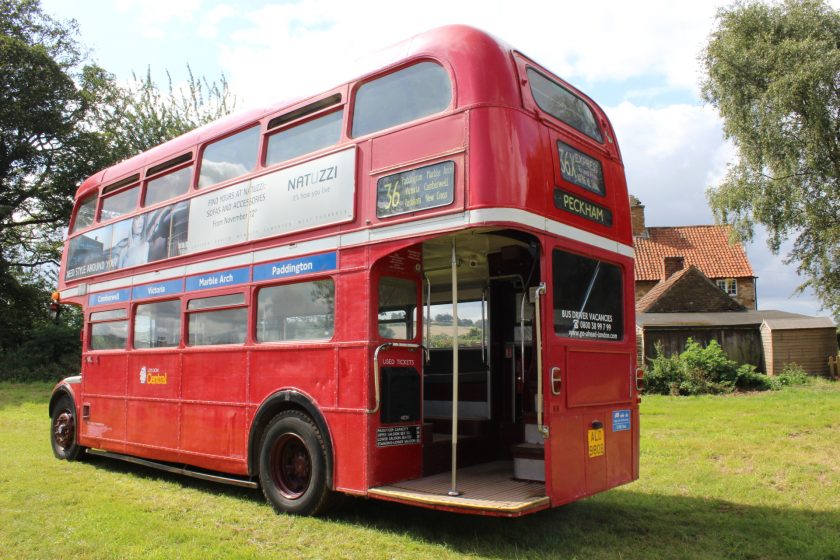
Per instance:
(286,268)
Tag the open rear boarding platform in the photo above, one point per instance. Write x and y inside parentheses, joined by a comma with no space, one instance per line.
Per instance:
(489,487)
(499,463)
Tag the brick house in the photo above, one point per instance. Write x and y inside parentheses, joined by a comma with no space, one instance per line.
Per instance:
(663,251)
(692,283)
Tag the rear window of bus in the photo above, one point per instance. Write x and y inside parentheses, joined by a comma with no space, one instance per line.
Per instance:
(300,311)
(563,105)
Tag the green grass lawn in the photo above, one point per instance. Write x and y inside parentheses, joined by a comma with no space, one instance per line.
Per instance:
(739,476)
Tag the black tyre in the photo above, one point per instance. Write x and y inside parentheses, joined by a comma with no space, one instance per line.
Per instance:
(293,465)
(63,430)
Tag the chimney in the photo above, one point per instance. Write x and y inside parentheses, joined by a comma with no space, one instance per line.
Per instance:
(673,265)
(637,216)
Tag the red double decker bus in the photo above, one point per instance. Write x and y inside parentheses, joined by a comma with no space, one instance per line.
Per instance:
(416,286)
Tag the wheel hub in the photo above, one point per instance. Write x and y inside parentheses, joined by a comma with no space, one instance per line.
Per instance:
(64,429)
(291,466)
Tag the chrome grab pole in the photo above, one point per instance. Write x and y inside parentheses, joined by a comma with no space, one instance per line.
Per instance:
(385,346)
(536,293)
(483,333)
(453,490)
(428,309)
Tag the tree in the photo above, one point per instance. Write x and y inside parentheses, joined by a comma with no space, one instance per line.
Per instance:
(44,150)
(61,121)
(443,319)
(773,72)
(140,115)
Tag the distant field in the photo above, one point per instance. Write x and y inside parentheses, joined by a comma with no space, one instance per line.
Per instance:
(741,476)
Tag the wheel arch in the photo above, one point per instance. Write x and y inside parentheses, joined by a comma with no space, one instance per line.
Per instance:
(278,402)
(64,388)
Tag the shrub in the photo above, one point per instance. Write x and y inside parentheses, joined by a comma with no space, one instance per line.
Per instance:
(708,370)
(751,380)
(701,370)
(792,374)
(664,375)
(50,353)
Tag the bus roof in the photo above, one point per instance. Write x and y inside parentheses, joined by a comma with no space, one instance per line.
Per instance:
(468,51)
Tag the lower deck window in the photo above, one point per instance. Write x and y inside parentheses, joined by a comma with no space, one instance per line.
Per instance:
(108,330)
(217,326)
(302,311)
(587,298)
(108,336)
(158,325)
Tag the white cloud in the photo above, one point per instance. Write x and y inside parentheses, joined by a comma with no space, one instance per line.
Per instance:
(208,27)
(287,44)
(671,155)
(643,51)
(152,16)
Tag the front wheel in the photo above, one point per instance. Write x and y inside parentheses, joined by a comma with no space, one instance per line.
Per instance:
(293,465)
(63,433)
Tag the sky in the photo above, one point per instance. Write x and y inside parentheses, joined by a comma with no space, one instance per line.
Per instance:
(638,60)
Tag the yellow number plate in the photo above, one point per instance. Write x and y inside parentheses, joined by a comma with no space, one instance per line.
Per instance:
(596,442)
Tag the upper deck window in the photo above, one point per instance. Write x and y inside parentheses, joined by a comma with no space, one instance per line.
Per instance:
(304,138)
(168,186)
(402,96)
(564,105)
(230,157)
(118,204)
(86,213)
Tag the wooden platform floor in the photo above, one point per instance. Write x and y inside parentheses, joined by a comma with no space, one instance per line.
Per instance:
(489,487)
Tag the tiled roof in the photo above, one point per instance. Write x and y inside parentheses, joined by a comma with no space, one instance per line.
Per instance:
(688,290)
(653,294)
(706,247)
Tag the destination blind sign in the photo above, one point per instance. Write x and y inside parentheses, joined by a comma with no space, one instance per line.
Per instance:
(418,189)
(584,208)
(580,169)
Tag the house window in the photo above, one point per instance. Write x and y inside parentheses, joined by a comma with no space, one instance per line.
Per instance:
(728,285)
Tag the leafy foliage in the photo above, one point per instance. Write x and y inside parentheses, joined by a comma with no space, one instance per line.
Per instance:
(139,115)
(32,347)
(60,122)
(44,148)
(700,370)
(773,71)
(792,374)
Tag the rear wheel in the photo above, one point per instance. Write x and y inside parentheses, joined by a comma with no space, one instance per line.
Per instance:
(293,465)
(63,433)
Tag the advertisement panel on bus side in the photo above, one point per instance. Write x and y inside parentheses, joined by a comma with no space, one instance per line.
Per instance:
(313,194)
